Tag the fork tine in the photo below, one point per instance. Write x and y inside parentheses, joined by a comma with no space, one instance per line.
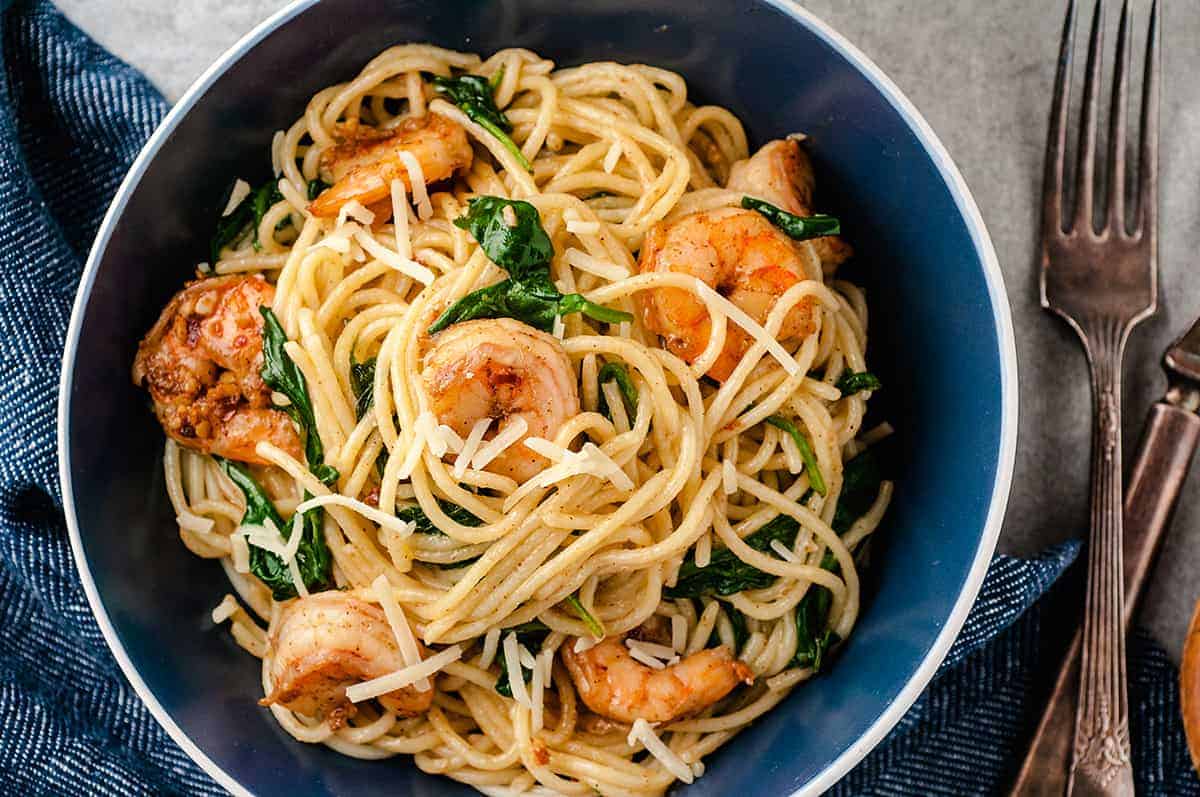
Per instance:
(1056,139)
(1085,172)
(1147,216)
(1116,129)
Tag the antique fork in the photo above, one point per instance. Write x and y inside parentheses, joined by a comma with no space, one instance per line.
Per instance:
(1102,281)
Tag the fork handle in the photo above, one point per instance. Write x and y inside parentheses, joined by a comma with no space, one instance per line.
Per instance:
(1101,762)
(1164,457)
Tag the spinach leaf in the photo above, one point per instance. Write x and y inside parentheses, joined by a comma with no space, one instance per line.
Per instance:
(861,478)
(813,635)
(414,514)
(815,479)
(362,384)
(727,574)
(266,196)
(589,619)
(524,251)
(313,558)
(231,227)
(315,187)
(615,372)
(857,381)
(475,96)
(530,635)
(283,376)
(801,228)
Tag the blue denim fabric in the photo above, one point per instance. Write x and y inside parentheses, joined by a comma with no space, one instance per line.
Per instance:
(72,118)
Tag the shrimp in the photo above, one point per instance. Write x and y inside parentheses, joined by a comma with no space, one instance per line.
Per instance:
(740,254)
(782,174)
(501,368)
(615,685)
(331,640)
(364,162)
(202,362)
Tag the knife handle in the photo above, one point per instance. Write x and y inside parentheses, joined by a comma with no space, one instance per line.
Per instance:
(1164,456)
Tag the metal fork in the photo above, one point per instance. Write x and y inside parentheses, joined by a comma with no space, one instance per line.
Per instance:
(1103,281)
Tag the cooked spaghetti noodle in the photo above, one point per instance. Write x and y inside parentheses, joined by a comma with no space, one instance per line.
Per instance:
(634,506)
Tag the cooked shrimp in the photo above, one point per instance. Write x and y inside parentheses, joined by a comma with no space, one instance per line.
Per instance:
(500,368)
(782,174)
(202,363)
(615,685)
(365,161)
(331,640)
(740,254)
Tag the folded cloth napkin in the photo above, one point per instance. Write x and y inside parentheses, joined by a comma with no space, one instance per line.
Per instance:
(72,117)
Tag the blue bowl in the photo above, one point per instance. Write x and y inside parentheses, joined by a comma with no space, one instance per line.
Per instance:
(941,339)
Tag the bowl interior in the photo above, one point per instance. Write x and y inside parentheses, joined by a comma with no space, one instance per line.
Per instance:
(934,342)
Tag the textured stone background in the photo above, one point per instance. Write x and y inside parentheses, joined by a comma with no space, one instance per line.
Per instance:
(981,72)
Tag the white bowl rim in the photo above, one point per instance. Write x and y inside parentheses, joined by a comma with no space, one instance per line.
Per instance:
(996,293)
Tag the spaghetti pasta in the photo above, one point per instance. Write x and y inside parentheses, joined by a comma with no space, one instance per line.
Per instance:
(608,441)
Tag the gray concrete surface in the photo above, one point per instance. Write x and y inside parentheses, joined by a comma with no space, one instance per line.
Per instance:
(981,72)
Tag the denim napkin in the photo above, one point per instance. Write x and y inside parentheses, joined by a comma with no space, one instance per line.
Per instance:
(72,118)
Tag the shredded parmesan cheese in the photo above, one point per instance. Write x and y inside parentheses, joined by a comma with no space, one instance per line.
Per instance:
(239,553)
(512,664)
(784,552)
(241,190)
(355,210)
(403,677)
(647,659)
(191,522)
(416,178)
(535,698)
(580,227)
(650,648)
(729,476)
(390,522)
(470,446)
(512,431)
(509,216)
(227,608)
(491,641)
(644,733)
(400,220)
(752,327)
(400,627)
(585,643)
(593,265)
(409,268)
(560,328)
(678,632)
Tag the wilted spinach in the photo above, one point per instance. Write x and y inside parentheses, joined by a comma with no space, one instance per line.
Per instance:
(813,635)
(362,384)
(815,479)
(853,382)
(523,250)
(801,228)
(530,635)
(725,573)
(476,96)
(313,558)
(283,376)
(414,514)
(615,372)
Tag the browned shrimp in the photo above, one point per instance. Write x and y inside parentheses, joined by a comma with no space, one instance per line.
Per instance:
(740,254)
(782,174)
(500,368)
(202,364)
(365,161)
(327,642)
(615,685)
